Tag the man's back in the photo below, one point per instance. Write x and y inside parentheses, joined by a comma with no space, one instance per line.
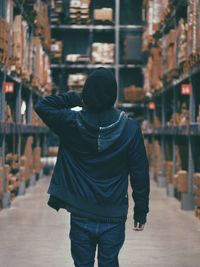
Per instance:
(99,147)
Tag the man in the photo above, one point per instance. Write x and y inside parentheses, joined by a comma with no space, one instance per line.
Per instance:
(99,147)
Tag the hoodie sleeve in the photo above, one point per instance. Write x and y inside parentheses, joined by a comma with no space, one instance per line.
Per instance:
(139,176)
(56,111)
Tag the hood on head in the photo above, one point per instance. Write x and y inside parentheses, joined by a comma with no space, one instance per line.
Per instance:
(100,90)
(101,137)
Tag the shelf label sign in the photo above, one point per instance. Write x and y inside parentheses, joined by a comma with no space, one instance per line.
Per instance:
(152,105)
(186,89)
(8,87)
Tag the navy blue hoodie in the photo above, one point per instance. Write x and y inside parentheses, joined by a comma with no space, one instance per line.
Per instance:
(97,153)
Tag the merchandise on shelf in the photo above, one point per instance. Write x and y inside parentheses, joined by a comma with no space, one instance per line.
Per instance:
(79,11)
(156,12)
(182,118)
(12,172)
(154,70)
(171,55)
(41,67)
(56,49)
(77,58)
(133,93)
(37,165)
(103,15)
(18,48)
(36,119)
(182,183)
(3,41)
(157,122)
(193,37)
(42,23)
(76,81)
(175,120)
(57,10)
(103,53)
(169,171)
(8,114)
(31,160)
(53,151)
(182,41)
(180,47)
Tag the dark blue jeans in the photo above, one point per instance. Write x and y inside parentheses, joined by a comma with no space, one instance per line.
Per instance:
(87,235)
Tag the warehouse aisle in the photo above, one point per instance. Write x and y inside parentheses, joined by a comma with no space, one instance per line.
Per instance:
(33,235)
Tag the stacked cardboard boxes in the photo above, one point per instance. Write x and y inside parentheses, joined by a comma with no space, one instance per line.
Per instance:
(169,171)
(3,41)
(41,67)
(134,93)
(155,68)
(79,11)
(42,24)
(171,55)
(182,181)
(180,48)
(182,42)
(57,10)
(156,13)
(103,53)
(29,59)
(26,167)
(37,165)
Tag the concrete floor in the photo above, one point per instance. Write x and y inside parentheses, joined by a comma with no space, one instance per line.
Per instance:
(34,235)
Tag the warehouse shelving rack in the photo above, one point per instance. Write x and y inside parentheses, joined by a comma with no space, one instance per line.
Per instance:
(167,102)
(120,26)
(11,134)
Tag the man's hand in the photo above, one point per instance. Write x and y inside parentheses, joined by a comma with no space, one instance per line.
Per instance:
(138,226)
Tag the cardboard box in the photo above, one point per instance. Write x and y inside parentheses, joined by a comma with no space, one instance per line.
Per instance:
(197,179)
(103,14)
(183,181)
(169,171)
(133,93)
(37,165)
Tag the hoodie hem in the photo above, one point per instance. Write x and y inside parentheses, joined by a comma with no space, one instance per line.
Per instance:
(86,205)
